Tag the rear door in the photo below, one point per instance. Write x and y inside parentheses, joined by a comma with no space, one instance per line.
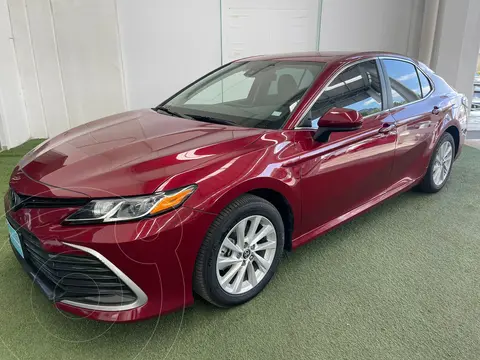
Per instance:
(352,167)
(416,115)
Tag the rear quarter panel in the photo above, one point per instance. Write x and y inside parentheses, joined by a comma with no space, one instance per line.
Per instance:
(453,111)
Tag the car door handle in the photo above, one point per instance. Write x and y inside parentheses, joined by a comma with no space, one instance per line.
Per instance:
(387,128)
(436,110)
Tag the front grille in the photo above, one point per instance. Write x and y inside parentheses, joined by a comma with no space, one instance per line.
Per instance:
(83,279)
(18,201)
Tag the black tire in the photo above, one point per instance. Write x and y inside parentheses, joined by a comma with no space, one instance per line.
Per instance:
(205,282)
(428,185)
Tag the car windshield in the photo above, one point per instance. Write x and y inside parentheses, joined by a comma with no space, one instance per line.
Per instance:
(256,94)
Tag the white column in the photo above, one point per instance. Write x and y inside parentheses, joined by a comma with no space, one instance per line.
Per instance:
(427,39)
(457,43)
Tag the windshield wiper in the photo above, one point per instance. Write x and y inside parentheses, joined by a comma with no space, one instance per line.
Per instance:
(194,117)
(171,112)
(212,120)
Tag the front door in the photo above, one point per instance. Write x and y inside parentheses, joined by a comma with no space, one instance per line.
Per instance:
(352,167)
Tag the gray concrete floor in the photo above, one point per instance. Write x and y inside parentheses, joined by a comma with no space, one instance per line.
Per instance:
(473,137)
(474,124)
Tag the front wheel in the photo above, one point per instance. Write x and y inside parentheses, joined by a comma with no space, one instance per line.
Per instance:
(440,165)
(240,253)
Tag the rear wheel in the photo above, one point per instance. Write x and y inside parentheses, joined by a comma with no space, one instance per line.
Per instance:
(240,253)
(440,165)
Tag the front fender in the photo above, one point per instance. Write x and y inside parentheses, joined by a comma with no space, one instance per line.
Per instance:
(289,191)
(221,182)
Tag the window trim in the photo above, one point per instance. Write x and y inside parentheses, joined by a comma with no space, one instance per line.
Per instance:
(387,80)
(332,79)
(388,105)
(420,83)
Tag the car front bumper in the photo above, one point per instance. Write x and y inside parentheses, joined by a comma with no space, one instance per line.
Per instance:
(153,261)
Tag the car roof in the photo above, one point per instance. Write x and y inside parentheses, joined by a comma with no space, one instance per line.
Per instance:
(323,56)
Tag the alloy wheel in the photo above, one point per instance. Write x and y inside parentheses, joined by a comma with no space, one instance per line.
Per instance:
(246,254)
(443,163)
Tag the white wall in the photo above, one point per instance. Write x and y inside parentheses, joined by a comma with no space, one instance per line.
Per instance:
(60,66)
(27,68)
(388,25)
(67,62)
(48,71)
(78,60)
(166,45)
(255,27)
(12,107)
(88,44)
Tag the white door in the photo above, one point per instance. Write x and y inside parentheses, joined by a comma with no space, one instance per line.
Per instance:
(257,27)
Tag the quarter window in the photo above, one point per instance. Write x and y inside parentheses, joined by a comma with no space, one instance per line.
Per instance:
(358,88)
(426,86)
(404,82)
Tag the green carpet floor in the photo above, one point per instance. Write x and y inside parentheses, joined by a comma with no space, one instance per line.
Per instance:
(401,282)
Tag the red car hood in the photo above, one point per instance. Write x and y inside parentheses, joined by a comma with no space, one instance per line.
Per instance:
(130,153)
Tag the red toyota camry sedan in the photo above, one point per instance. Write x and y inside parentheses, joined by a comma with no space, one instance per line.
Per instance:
(127,217)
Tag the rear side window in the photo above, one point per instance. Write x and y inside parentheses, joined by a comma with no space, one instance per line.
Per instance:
(426,86)
(404,82)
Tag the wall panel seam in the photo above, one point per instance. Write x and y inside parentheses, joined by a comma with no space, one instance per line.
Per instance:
(123,78)
(19,80)
(319,22)
(55,41)
(35,67)
(221,33)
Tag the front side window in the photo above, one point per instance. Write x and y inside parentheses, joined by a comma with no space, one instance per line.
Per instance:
(404,82)
(358,88)
(258,94)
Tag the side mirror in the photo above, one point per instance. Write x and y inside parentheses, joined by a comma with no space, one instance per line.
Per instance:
(335,120)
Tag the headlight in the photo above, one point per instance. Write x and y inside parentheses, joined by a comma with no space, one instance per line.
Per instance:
(127,209)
